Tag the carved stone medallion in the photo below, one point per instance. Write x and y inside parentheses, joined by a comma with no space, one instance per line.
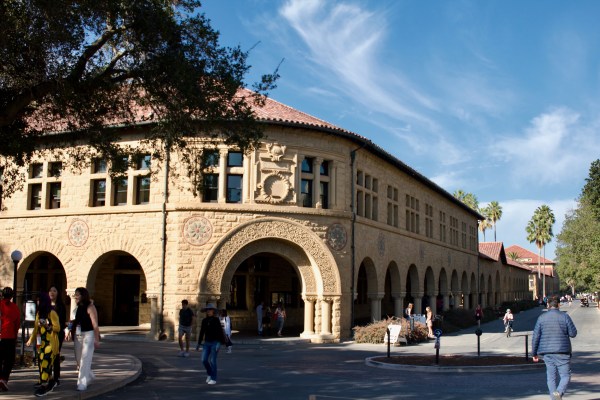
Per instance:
(336,236)
(197,230)
(78,233)
(276,188)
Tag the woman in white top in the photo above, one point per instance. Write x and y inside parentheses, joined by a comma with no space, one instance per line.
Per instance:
(226,324)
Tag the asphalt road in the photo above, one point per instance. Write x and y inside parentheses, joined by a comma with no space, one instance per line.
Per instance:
(334,372)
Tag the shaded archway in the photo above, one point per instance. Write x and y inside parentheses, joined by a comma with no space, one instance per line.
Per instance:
(118,286)
(442,299)
(44,270)
(392,301)
(413,293)
(366,290)
(429,289)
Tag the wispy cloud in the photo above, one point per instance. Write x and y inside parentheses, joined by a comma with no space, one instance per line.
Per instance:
(555,146)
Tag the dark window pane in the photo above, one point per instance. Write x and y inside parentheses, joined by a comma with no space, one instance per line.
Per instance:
(120,192)
(54,195)
(306,192)
(235,159)
(307,165)
(234,188)
(210,190)
(55,169)
(324,194)
(142,189)
(325,168)
(37,170)
(143,163)
(35,197)
(99,166)
(211,159)
(99,194)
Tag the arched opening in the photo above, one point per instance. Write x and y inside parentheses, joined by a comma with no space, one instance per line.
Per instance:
(44,271)
(117,284)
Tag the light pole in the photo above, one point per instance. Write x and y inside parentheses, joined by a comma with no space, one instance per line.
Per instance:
(16,256)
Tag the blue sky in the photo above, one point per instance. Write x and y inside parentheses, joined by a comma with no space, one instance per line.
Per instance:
(497,98)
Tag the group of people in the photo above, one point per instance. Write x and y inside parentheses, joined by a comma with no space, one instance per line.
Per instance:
(50,329)
(264,316)
(408,314)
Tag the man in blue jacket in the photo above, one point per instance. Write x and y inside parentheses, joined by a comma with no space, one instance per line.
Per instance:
(552,340)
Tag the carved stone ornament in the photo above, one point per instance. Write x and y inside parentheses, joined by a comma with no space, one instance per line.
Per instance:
(197,230)
(78,233)
(275,188)
(337,236)
(381,245)
(276,151)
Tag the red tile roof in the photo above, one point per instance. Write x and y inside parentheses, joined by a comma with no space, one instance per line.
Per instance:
(526,255)
(493,250)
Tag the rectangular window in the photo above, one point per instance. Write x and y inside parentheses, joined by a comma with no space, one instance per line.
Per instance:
(35,196)
(54,193)
(210,159)
(120,192)
(143,162)
(368,208)
(234,188)
(325,168)
(55,169)
(99,166)
(210,190)
(142,190)
(37,170)
(99,193)
(375,207)
(360,206)
(306,192)
(325,194)
(235,159)
(359,178)
(307,165)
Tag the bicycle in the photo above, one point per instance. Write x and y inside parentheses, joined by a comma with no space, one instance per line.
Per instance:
(509,328)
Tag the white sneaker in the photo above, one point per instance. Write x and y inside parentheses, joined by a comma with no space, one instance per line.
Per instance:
(557,396)
(208,379)
(211,382)
(229,350)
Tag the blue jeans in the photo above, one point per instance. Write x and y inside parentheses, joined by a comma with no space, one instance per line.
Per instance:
(558,364)
(210,350)
(280,322)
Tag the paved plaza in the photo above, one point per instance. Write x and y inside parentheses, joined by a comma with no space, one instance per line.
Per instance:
(288,368)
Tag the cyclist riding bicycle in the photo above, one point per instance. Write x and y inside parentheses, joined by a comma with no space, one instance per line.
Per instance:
(508,320)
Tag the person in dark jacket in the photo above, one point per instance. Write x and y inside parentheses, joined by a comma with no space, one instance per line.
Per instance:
(213,335)
(10,319)
(552,340)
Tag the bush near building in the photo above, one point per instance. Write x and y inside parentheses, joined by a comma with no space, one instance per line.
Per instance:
(375,332)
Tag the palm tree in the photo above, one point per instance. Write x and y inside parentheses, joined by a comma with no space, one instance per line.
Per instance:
(539,231)
(513,255)
(485,223)
(494,213)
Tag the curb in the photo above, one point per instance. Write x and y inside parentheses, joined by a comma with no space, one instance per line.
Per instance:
(98,390)
(370,361)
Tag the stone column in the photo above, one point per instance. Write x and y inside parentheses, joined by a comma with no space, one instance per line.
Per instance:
(375,306)
(467,303)
(309,317)
(153,316)
(222,176)
(246,180)
(317,182)
(299,181)
(446,297)
(326,316)
(398,303)
(418,296)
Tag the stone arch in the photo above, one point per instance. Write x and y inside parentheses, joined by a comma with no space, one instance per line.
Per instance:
(44,244)
(108,244)
(322,270)
(429,288)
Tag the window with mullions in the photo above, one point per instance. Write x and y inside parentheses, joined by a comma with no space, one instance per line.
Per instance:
(55,169)
(210,188)
(143,162)
(37,170)
(307,165)
(325,195)
(234,188)
(120,192)
(99,166)
(35,196)
(210,158)
(235,159)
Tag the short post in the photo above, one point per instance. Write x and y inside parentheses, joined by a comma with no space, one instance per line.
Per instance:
(437,333)
(388,342)
(478,332)
(526,348)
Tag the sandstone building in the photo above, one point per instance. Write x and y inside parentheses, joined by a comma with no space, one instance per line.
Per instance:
(318,217)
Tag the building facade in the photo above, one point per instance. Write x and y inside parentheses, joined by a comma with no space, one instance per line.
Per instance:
(316,217)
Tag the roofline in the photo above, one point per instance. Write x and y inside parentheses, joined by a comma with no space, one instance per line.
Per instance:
(375,149)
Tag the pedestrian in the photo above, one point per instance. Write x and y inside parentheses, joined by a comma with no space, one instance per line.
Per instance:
(552,340)
(186,318)
(478,314)
(10,320)
(268,314)
(213,335)
(86,337)
(59,307)
(281,316)
(429,322)
(259,317)
(45,337)
(508,319)
(408,311)
(226,325)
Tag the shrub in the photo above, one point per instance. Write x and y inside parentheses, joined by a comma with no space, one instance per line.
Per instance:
(375,332)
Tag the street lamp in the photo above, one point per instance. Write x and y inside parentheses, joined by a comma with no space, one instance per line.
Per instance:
(16,256)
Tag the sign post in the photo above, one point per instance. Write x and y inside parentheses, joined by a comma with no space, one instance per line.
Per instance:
(437,333)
